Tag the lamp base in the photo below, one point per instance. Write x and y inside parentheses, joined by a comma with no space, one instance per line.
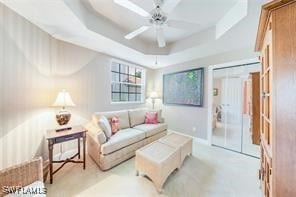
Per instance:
(62,118)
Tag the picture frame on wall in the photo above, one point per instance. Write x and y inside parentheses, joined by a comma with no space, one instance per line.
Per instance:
(184,88)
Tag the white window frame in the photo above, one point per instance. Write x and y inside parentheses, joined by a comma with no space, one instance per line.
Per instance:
(143,82)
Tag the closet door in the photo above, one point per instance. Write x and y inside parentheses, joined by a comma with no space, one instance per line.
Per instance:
(231,103)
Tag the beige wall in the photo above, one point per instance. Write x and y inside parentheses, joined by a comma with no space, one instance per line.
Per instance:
(33,68)
(185,118)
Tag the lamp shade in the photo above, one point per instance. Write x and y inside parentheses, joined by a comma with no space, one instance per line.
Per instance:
(63,100)
(153,95)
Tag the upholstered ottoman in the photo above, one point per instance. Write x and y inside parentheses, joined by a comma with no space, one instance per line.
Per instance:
(157,160)
(184,143)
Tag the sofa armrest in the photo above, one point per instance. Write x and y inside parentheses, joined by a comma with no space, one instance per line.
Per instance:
(96,133)
(95,138)
(22,174)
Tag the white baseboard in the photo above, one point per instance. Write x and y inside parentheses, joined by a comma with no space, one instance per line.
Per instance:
(199,140)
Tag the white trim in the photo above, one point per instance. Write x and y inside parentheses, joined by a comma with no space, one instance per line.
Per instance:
(127,102)
(121,82)
(199,140)
(210,90)
(210,105)
(127,63)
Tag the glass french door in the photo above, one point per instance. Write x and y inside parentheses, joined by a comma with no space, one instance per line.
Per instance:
(231,126)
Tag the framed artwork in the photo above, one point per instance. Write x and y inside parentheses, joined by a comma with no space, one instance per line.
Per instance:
(184,88)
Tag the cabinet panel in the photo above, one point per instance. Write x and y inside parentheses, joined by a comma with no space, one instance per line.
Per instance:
(276,41)
(285,101)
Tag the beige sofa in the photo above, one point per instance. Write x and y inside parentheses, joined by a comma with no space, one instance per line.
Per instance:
(133,135)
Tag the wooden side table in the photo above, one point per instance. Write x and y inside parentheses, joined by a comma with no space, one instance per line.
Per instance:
(54,137)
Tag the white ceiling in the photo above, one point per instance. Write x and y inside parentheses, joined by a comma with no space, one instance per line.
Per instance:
(194,11)
(101,25)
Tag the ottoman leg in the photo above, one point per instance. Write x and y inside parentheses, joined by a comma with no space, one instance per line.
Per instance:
(137,173)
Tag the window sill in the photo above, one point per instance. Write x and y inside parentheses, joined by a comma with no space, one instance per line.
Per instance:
(122,103)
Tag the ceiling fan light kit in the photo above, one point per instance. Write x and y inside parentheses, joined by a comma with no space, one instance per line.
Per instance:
(157,18)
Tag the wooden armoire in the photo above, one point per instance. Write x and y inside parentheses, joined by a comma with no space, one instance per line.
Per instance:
(276,40)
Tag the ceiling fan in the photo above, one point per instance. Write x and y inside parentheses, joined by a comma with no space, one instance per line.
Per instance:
(157,18)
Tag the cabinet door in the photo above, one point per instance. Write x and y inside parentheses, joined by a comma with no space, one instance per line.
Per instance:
(255,115)
(284,135)
(265,173)
(266,93)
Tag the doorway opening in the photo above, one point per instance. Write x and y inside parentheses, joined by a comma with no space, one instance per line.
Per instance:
(235,108)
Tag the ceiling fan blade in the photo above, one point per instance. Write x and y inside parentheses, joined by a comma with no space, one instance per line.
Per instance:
(160,37)
(169,5)
(182,24)
(132,7)
(137,32)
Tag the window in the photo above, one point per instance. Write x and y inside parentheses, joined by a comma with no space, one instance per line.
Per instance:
(128,83)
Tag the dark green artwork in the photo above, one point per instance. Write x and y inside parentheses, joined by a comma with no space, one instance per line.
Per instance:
(184,88)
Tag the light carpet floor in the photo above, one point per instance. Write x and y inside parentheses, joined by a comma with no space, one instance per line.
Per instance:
(210,171)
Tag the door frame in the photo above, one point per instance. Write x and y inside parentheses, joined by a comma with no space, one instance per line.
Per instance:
(210,88)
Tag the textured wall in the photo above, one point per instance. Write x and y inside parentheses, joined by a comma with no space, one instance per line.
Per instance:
(33,68)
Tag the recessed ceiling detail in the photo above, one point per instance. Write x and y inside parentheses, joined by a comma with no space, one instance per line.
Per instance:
(102,25)
(156,18)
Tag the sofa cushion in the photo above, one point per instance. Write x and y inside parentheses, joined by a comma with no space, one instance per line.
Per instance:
(151,129)
(105,126)
(137,116)
(122,115)
(122,139)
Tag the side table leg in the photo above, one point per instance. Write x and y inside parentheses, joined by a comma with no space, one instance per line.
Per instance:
(78,148)
(50,150)
(84,141)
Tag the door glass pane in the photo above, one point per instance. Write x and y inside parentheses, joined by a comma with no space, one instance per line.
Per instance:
(231,118)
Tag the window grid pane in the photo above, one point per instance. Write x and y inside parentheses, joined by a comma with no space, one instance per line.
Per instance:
(122,92)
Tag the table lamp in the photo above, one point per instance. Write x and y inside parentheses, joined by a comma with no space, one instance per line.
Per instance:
(63,100)
(153,97)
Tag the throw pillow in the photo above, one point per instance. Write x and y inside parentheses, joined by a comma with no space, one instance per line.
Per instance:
(151,118)
(105,126)
(114,124)
(159,116)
